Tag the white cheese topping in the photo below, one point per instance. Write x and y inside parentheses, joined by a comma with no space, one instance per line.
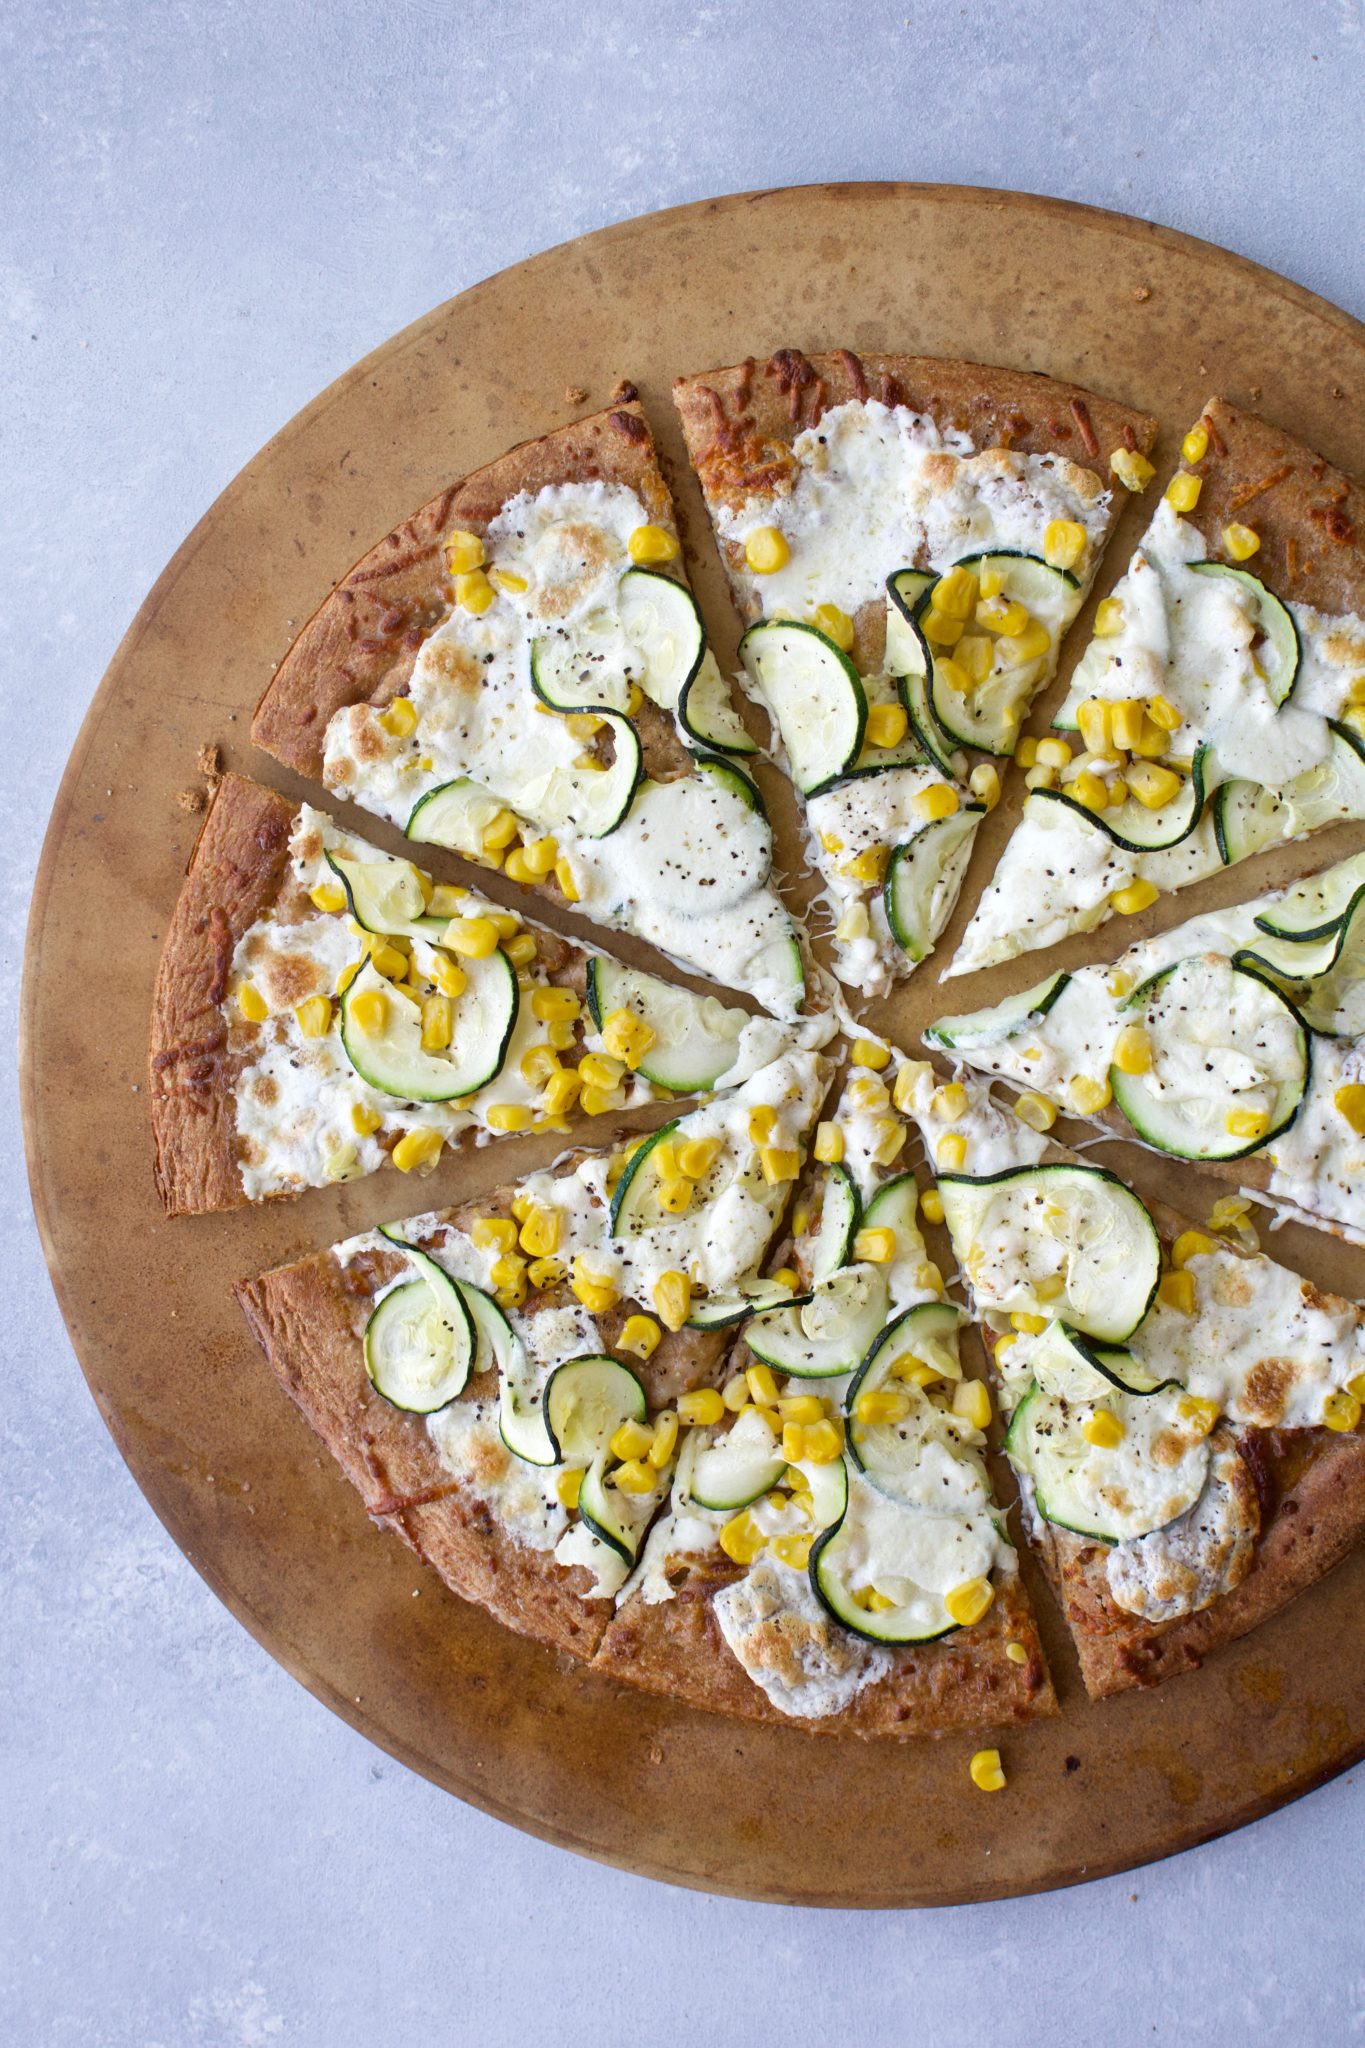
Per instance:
(1195,1559)
(804,1661)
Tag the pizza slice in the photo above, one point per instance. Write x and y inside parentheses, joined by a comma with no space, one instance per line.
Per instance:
(1220,707)
(519,673)
(1184,1414)
(831,1553)
(322,1008)
(907,540)
(499,1380)
(1237,1040)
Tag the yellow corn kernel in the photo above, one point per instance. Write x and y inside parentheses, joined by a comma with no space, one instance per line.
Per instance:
(887,725)
(1133,471)
(1183,491)
(881,1405)
(493,1234)
(1151,742)
(1091,790)
(780,1163)
(793,1549)
(1054,751)
(508,1116)
(1108,618)
(508,580)
(1050,1288)
(766,550)
(990,580)
(793,1442)
(975,656)
(515,867)
(1125,718)
(987,1772)
(473,593)
(969,1601)
(1039,1112)
(836,625)
(762,1386)
(741,1538)
(1118,792)
(568,888)
(984,783)
(1138,896)
(951,1156)
(598,1292)
(421,1147)
(328,896)
(1004,1341)
(627,1037)
(636,1475)
(1103,1430)
(824,1441)
(631,1440)
(854,924)
(537,1064)
(500,832)
(562,1091)
(1341,1412)
(1133,1050)
(1349,1102)
(696,1156)
(867,866)
(1357,1386)
(640,1335)
(1031,645)
(1229,1212)
(931,1206)
(446,976)
(1240,542)
(1191,1244)
(952,674)
(1063,543)
(1095,719)
(1003,615)
(1246,1123)
(673,1299)
(1177,1290)
(868,1092)
(252,1003)
(802,1408)
(1354,720)
(1016,1653)
(1200,1414)
(652,544)
(1195,445)
(943,629)
(665,1439)
(674,1196)
(870,1052)
(955,592)
(540,1233)
(762,1123)
(1164,715)
(364,1120)
(949,1102)
(701,1408)
(829,1144)
(465,552)
(1087,1096)
(555,1005)
(436,1023)
(400,718)
(1027,1325)
(474,937)
(567,1486)
(315,1016)
(1153,786)
(1026,753)
(598,1101)
(972,1401)
(369,1012)
(547,1273)
(508,1273)
(388,960)
(540,856)
(600,1070)
(877,1246)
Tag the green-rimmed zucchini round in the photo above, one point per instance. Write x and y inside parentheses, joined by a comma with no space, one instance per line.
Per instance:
(420,1342)
(1274,621)
(815,695)
(1002,1022)
(394,1059)
(829,1335)
(924,876)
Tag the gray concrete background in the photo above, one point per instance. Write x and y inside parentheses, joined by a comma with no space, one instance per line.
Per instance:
(210,211)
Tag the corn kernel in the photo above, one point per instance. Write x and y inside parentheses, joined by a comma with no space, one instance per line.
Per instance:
(780,1163)
(887,725)
(399,720)
(987,1772)
(881,1405)
(1153,786)
(952,675)
(568,888)
(1063,543)
(984,783)
(766,550)
(631,1439)
(1026,753)
(854,924)
(1133,1050)
(493,1233)
(975,656)
(942,630)
(1031,645)
(990,580)
(696,1156)
(793,1442)
(1103,1430)
(474,592)
(1240,542)
(1087,1096)
(364,1120)
(1200,1414)
(793,1549)
(870,1052)
(673,1299)
(315,1017)
(868,866)
(640,1335)
(328,896)
(537,1064)
(1341,1411)
(599,1101)
(417,1148)
(968,1602)
(1054,751)
(834,624)
(652,544)
(674,1196)
(762,1386)
(1246,1123)
(1038,1111)
(515,867)
(1091,790)
(627,1037)
(762,1123)
(949,1102)
(802,1408)
(540,1233)
(1016,1653)
(868,1092)
(1095,719)
(735,1393)
(1138,896)
(1026,1324)
(508,1272)
(449,979)
(931,1206)
(562,1090)
(877,1246)
(972,1401)
(474,937)
(1133,471)
(252,1003)
(1183,491)
(951,1156)
(547,1272)
(508,1116)
(1177,1291)
(369,1012)
(600,1070)
(1191,1244)
(955,592)
(741,1538)
(1195,445)
(636,1475)
(1003,615)
(829,1144)
(701,1408)
(1108,618)
(824,1442)
(1349,1102)
(1357,1386)
(665,1439)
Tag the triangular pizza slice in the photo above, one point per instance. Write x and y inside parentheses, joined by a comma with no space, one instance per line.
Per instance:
(520,673)
(499,1380)
(908,540)
(1220,707)
(1184,1414)
(323,1008)
(1236,1040)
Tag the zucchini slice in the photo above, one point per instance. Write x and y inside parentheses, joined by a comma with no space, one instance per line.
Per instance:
(815,696)
(1044,1442)
(1273,619)
(1333,1004)
(585,1402)
(456,815)
(385,896)
(1316,908)
(928,1333)
(990,715)
(603,1509)
(924,876)
(832,1244)
(1243,1046)
(1246,818)
(733,779)
(707,715)
(1070,1368)
(394,1059)
(696,1038)
(1334,788)
(1074,1482)
(655,639)
(739,1466)
(1079,1224)
(828,1335)
(1133,826)
(420,1341)
(1005,1021)
(754,1295)
(950,760)
(633,1207)
(874,1524)
(593,801)
(894,1207)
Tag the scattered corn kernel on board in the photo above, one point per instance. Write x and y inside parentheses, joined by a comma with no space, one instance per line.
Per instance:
(1149,317)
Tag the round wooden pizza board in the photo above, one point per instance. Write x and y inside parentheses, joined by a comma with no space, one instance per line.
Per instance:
(1134,310)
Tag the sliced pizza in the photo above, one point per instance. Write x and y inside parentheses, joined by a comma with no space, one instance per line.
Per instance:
(519,673)
(1220,707)
(907,540)
(1237,1040)
(1184,1414)
(831,1552)
(322,1008)
(499,1380)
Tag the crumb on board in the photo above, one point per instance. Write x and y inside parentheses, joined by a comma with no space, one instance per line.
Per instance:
(574,394)
(191,800)
(1142,292)
(210,759)
(625,391)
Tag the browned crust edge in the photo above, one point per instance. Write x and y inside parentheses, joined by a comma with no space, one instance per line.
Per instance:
(361,642)
(235,873)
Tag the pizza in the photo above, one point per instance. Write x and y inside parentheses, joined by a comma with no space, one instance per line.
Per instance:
(1183,1413)
(323,1008)
(908,541)
(1236,1040)
(520,674)
(1220,707)
(584,1403)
